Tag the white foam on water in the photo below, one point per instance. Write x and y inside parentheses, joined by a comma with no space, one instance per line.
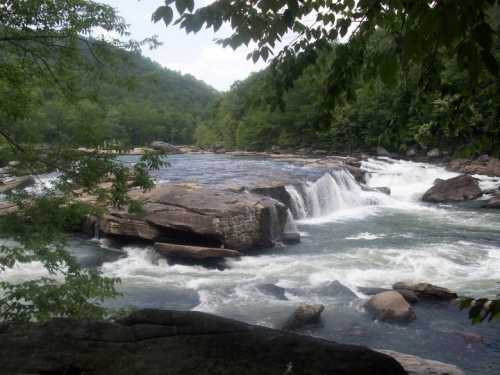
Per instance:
(407,180)
(365,236)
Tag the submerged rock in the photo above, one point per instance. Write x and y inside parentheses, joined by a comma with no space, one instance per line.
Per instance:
(152,342)
(390,306)
(197,215)
(304,315)
(456,189)
(426,291)
(273,290)
(290,238)
(371,291)
(336,289)
(414,365)
(194,252)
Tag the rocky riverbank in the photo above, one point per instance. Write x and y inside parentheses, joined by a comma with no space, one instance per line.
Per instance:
(175,342)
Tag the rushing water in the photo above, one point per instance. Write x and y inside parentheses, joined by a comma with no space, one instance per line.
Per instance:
(352,235)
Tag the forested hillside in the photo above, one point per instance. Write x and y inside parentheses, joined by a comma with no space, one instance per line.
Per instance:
(391,109)
(132,101)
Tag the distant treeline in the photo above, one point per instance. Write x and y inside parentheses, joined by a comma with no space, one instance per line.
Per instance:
(134,102)
(454,114)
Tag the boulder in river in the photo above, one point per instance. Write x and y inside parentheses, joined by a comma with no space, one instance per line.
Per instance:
(151,342)
(273,290)
(426,291)
(390,306)
(408,295)
(165,147)
(304,315)
(482,165)
(336,289)
(197,215)
(414,365)
(456,189)
(194,252)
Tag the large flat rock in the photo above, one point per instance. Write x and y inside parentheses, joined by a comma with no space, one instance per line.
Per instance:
(177,343)
(197,215)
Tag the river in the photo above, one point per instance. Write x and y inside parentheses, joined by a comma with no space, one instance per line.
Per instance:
(349,235)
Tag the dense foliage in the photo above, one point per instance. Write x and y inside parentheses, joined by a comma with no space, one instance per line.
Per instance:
(398,117)
(131,101)
(60,88)
(406,73)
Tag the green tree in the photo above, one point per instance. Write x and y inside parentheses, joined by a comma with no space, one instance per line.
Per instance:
(47,49)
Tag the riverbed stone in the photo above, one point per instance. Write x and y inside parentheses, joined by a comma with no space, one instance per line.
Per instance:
(273,290)
(456,189)
(483,165)
(165,147)
(426,291)
(198,215)
(305,314)
(152,342)
(414,365)
(390,306)
(194,252)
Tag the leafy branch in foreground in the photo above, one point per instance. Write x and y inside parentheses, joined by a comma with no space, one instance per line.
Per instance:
(49,46)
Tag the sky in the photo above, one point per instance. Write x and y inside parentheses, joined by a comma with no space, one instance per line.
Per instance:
(195,54)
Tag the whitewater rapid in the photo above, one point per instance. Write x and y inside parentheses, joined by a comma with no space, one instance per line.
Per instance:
(351,234)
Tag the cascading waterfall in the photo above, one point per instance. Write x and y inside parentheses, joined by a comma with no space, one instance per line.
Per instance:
(332,192)
(297,202)
(290,226)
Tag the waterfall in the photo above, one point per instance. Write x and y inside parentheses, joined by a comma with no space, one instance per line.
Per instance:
(331,192)
(297,202)
(290,226)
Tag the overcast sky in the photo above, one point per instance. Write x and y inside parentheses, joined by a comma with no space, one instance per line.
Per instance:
(196,54)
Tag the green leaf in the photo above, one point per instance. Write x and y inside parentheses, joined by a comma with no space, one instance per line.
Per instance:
(490,62)
(163,12)
(388,68)
(182,5)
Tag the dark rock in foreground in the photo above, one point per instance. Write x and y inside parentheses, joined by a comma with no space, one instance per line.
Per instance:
(456,189)
(304,315)
(174,343)
(194,252)
(420,366)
